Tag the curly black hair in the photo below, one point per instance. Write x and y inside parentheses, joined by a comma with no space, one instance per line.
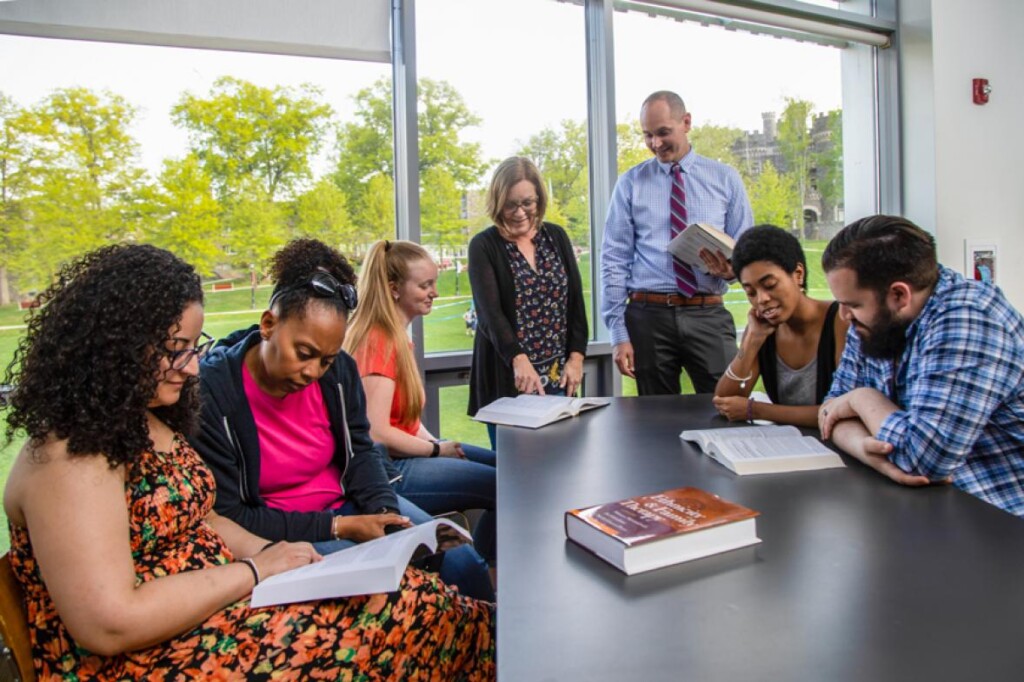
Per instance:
(772,244)
(295,264)
(86,369)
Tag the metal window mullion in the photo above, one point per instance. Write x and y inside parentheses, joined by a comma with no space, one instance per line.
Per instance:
(602,151)
(406,155)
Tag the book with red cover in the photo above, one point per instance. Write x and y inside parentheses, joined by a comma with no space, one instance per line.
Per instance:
(651,531)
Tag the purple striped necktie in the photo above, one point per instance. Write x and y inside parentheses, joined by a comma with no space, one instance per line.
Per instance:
(686,280)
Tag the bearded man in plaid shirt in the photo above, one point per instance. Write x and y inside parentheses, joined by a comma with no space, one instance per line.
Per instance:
(930,387)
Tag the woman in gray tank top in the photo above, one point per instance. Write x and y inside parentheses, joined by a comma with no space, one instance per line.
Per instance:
(792,341)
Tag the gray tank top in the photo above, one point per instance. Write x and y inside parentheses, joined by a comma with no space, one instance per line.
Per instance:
(797,386)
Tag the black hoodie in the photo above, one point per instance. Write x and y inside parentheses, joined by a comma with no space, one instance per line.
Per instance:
(229,443)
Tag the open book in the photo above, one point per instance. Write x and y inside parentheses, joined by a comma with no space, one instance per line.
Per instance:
(368,568)
(687,244)
(764,449)
(535,411)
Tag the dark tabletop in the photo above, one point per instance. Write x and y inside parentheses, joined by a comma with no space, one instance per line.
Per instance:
(856,578)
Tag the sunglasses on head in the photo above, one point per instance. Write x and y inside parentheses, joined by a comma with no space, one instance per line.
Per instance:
(322,285)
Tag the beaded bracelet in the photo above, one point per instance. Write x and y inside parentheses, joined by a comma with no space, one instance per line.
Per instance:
(248,561)
(732,375)
(750,410)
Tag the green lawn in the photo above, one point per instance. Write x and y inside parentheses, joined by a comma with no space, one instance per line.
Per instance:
(444,330)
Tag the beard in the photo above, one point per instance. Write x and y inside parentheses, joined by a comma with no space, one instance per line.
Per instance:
(885,338)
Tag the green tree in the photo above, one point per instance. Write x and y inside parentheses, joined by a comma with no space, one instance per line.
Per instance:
(255,229)
(242,132)
(772,197)
(365,144)
(374,215)
(716,142)
(322,213)
(441,218)
(795,146)
(186,215)
(13,158)
(561,157)
(82,180)
(829,165)
(631,147)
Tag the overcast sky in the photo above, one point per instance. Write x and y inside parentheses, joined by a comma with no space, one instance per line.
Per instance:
(520,66)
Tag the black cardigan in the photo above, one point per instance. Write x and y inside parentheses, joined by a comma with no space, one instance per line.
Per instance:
(494,295)
(766,358)
(229,443)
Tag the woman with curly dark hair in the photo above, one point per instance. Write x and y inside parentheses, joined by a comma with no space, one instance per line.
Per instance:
(126,569)
(284,425)
(792,341)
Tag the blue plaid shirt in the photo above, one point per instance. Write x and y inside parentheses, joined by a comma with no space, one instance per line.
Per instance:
(639,228)
(960,389)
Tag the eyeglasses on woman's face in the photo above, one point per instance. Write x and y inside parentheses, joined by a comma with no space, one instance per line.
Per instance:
(179,359)
(528,205)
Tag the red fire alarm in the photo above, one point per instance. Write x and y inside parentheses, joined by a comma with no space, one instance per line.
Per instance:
(981,90)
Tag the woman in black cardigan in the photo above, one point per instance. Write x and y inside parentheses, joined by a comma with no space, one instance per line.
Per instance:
(531,320)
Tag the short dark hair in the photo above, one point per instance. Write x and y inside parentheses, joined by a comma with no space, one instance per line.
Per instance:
(86,369)
(293,267)
(772,244)
(883,249)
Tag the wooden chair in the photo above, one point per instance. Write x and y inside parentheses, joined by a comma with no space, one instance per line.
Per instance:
(14,623)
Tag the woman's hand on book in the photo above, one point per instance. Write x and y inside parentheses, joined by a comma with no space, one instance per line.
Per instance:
(365,527)
(284,556)
(526,377)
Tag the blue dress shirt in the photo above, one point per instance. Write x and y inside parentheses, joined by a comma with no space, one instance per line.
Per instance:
(960,389)
(638,229)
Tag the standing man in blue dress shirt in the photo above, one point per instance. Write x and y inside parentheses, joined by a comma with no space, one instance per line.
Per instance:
(931,384)
(656,329)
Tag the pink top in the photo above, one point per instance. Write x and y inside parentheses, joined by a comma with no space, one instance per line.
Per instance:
(297,471)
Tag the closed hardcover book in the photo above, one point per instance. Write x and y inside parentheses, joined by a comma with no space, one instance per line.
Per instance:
(643,533)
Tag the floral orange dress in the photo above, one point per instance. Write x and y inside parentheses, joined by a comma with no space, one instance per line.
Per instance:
(424,631)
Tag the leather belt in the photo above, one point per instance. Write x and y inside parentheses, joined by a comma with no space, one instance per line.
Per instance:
(672,300)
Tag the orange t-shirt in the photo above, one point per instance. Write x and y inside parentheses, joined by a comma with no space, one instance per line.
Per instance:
(377,356)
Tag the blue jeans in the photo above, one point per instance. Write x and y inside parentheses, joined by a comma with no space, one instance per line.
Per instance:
(461,566)
(444,484)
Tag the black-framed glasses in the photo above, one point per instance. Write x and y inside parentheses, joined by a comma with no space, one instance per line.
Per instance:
(323,285)
(526,204)
(179,359)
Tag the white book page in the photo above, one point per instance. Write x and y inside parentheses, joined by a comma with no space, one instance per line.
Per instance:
(706,436)
(772,448)
(536,406)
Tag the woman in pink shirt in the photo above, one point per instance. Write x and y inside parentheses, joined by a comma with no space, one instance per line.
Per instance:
(284,425)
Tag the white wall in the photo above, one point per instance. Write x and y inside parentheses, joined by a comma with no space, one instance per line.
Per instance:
(961,170)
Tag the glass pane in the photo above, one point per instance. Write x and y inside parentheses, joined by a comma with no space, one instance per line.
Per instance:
(518,87)
(163,124)
(455,423)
